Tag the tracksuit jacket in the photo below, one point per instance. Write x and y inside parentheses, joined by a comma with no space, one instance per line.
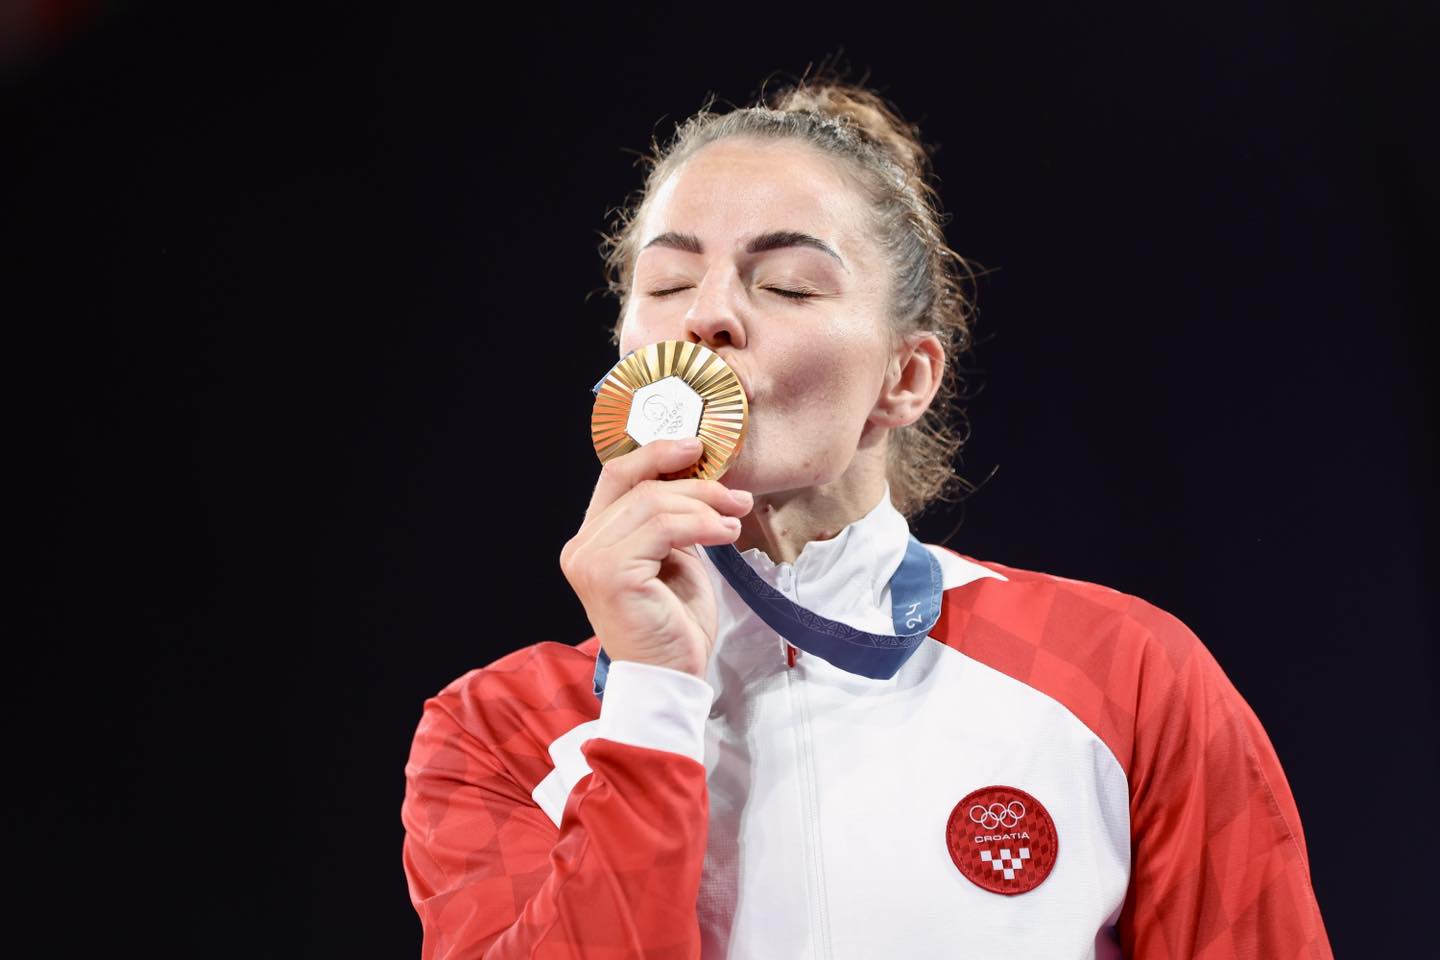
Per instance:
(1059,770)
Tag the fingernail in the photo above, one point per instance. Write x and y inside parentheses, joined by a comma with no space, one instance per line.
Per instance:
(690,445)
(743,497)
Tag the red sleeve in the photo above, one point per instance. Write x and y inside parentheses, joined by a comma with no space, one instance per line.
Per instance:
(1219,865)
(490,874)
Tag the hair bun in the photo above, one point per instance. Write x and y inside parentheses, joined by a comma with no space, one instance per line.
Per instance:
(861,109)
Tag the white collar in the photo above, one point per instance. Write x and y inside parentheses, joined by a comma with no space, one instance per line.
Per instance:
(844,578)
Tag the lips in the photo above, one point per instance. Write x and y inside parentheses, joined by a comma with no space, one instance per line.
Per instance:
(741,376)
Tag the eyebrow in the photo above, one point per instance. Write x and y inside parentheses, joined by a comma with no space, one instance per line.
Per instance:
(773,240)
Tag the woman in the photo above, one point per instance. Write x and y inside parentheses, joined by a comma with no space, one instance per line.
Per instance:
(1056,769)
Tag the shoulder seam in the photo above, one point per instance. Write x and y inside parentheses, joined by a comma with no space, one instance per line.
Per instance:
(1109,750)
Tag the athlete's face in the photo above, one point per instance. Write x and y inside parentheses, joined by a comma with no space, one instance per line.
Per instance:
(813,365)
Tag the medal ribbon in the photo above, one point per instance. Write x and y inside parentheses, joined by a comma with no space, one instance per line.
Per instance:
(915,592)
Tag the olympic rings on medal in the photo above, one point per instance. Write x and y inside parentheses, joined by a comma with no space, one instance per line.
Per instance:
(997,815)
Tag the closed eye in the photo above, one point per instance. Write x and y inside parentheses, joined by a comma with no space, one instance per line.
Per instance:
(791,294)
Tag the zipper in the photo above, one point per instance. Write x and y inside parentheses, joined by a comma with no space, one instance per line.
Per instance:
(787,587)
(810,803)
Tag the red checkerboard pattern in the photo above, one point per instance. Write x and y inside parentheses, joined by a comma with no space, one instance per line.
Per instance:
(492,876)
(1219,866)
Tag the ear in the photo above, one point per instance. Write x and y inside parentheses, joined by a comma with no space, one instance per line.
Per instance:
(911,381)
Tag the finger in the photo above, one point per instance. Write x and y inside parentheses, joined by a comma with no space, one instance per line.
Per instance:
(619,474)
(650,497)
(653,540)
(630,512)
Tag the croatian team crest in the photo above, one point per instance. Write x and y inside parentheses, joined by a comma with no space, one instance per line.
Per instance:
(1002,839)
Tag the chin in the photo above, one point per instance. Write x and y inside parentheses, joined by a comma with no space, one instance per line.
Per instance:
(745,474)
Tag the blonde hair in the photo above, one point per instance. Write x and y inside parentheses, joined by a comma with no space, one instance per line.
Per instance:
(884,158)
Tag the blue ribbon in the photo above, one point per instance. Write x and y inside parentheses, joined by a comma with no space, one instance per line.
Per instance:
(915,592)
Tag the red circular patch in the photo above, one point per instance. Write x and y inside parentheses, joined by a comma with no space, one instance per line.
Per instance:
(1002,839)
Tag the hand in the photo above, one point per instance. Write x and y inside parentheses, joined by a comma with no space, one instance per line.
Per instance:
(634,563)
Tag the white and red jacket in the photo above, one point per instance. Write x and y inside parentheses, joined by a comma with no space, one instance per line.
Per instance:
(784,807)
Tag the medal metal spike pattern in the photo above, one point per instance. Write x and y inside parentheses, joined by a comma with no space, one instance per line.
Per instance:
(668,391)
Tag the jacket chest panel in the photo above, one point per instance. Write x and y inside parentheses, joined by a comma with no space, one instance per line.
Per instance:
(829,799)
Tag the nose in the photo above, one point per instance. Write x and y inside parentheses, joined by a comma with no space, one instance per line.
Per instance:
(712,318)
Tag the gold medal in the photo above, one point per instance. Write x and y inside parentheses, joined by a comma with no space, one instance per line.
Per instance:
(669,391)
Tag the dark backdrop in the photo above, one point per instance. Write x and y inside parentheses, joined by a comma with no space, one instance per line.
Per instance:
(299,349)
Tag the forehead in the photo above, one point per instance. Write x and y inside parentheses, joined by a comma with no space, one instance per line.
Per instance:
(736,188)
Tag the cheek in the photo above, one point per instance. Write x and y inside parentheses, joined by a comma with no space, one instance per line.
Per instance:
(627,332)
(642,326)
(829,380)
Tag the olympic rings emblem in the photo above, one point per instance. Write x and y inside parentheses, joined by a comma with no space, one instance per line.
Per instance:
(997,815)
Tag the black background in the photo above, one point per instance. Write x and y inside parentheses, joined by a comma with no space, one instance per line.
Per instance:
(303,307)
